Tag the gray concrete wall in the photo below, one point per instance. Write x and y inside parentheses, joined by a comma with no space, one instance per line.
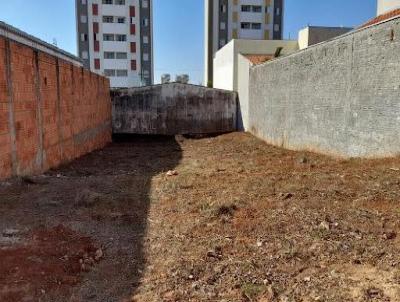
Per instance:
(341,97)
(174,108)
(244,66)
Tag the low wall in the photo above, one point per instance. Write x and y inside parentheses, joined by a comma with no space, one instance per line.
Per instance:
(341,97)
(51,111)
(174,108)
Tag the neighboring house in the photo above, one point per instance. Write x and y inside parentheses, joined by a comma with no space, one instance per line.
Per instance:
(232,66)
(312,35)
(385,6)
(232,63)
(383,17)
(115,39)
(239,19)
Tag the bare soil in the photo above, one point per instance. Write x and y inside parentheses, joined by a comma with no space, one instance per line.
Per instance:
(234,220)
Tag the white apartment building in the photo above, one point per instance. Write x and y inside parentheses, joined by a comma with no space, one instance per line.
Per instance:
(385,6)
(239,19)
(115,39)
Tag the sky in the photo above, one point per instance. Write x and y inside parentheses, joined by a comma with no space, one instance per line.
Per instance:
(178,26)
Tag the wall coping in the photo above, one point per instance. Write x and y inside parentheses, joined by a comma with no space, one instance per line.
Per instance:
(24,38)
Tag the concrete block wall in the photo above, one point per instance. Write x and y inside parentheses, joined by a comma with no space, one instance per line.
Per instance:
(51,111)
(341,97)
(174,108)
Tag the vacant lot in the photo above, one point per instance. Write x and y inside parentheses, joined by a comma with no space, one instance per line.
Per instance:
(237,220)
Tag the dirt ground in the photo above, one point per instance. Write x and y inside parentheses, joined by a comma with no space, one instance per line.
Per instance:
(237,220)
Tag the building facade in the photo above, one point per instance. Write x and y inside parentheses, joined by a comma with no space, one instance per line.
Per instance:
(115,39)
(239,19)
(385,6)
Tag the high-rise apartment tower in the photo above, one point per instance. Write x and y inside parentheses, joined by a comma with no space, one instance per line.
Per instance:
(239,19)
(115,38)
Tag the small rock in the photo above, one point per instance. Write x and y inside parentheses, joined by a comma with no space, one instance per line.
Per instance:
(172,173)
(389,235)
(286,196)
(99,254)
(212,254)
(260,243)
(302,160)
(324,225)
(307,279)
(10,232)
(216,253)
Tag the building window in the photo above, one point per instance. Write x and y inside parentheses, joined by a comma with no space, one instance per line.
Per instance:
(84,37)
(96,63)
(222,43)
(145,57)
(109,72)
(108,37)
(277,11)
(257,9)
(121,20)
(96,27)
(122,73)
(95,9)
(109,55)
(223,8)
(96,46)
(132,11)
(119,2)
(133,47)
(255,25)
(120,38)
(133,29)
(145,4)
(83,19)
(133,65)
(276,27)
(222,25)
(146,73)
(245,25)
(145,22)
(246,8)
(83,2)
(108,2)
(122,55)
(108,19)
(145,39)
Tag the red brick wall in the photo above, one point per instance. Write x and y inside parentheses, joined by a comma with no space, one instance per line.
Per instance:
(51,111)
(5,146)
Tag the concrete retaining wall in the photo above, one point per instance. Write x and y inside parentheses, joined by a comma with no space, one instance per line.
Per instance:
(174,108)
(341,97)
(51,111)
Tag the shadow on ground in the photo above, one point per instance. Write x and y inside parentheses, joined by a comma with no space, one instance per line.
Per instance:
(106,196)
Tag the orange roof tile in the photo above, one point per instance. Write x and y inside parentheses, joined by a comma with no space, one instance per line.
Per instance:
(259,59)
(383,17)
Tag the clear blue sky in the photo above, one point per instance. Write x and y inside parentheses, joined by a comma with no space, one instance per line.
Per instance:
(178,25)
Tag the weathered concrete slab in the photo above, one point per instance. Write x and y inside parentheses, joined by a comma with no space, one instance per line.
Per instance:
(174,108)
